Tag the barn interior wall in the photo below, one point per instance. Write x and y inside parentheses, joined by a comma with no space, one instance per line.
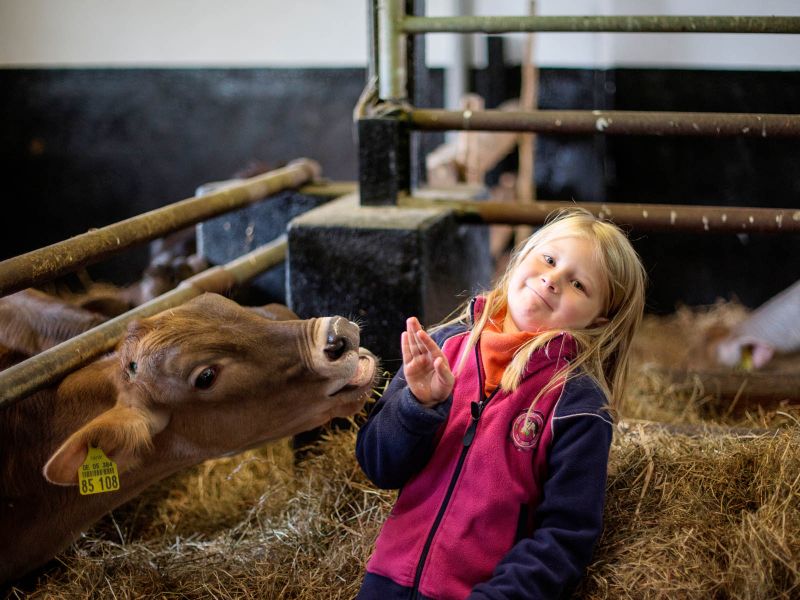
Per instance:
(85,147)
(692,269)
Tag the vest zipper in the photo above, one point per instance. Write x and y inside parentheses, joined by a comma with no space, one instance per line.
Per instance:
(476,410)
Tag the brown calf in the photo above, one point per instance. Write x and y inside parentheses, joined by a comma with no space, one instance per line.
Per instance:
(206,379)
(32,321)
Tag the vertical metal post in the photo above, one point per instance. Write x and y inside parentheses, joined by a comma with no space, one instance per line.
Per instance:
(384,142)
(392,64)
(372,40)
(418,90)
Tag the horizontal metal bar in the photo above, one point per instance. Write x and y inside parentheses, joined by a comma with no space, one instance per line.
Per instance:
(37,372)
(64,257)
(610,122)
(603,23)
(329,189)
(651,217)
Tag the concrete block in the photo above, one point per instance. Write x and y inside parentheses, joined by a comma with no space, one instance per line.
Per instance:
(228,236)
(384,168)
(380,265)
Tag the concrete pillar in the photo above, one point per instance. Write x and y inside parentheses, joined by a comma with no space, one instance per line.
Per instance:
(384,167)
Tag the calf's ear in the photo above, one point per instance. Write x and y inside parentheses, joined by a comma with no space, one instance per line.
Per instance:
(123,433)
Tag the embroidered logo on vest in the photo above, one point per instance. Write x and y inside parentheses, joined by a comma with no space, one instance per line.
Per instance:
(527,429)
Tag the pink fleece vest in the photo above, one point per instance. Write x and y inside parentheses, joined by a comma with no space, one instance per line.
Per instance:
(503,471)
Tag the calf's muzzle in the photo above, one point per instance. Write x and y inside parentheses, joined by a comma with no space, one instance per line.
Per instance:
(342,337)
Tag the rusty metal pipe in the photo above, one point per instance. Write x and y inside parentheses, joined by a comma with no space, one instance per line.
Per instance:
(64,257)
(604,23)
(610,122)
(650,217)
(37,372)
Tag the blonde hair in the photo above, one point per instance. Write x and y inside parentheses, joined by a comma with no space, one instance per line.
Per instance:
(603,349)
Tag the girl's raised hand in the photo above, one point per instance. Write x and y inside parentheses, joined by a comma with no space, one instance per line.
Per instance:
(428,375)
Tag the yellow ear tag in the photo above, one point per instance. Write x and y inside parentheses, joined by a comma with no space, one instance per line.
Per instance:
(97,474)
(746,362)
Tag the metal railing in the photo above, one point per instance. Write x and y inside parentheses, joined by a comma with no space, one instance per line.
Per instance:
(601,23)
(44,264)
(653,217)
(394,25)
(41,370)
(610,122)
(393,28)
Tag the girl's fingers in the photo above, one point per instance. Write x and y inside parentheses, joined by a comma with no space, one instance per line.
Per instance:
(405,348)
(412,325)
(427,342)
(443,370)
(411,338)
(445,377)
(414,329)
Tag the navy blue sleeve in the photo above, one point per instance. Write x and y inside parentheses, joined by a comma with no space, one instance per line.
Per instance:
(398,438)
(569,519)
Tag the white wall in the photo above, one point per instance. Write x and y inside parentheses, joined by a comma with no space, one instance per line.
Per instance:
(329,33)
(273,33)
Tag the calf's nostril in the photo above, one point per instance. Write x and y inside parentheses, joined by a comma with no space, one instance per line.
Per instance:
(342,337)
(336,346)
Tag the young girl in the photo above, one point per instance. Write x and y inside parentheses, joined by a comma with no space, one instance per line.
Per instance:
(497,428)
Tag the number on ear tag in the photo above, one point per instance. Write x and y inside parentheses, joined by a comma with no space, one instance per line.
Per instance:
(97,474)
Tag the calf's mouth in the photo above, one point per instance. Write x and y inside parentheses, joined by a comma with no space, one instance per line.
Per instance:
(364,374)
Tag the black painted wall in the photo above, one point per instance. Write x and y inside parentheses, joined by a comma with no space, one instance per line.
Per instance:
(693,269)
(737,172)
(82,148)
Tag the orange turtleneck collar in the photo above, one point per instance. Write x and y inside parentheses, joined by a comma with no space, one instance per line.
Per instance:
(498,348)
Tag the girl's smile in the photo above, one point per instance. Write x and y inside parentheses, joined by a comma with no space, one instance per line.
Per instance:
(531,285)
(557,285)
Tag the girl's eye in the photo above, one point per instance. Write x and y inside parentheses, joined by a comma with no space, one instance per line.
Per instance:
(549,259)
(578,285)
(205,379)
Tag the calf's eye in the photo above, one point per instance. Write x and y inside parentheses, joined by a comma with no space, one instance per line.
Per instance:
(205,379)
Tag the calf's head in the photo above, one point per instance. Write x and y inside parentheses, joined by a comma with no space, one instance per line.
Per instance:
(211,378)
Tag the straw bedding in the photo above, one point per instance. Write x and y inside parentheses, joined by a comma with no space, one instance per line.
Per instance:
(699,512)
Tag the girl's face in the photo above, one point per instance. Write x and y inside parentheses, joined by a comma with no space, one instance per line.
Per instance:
(558,285)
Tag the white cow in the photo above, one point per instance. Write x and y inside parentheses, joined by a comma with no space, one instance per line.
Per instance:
(772,327)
